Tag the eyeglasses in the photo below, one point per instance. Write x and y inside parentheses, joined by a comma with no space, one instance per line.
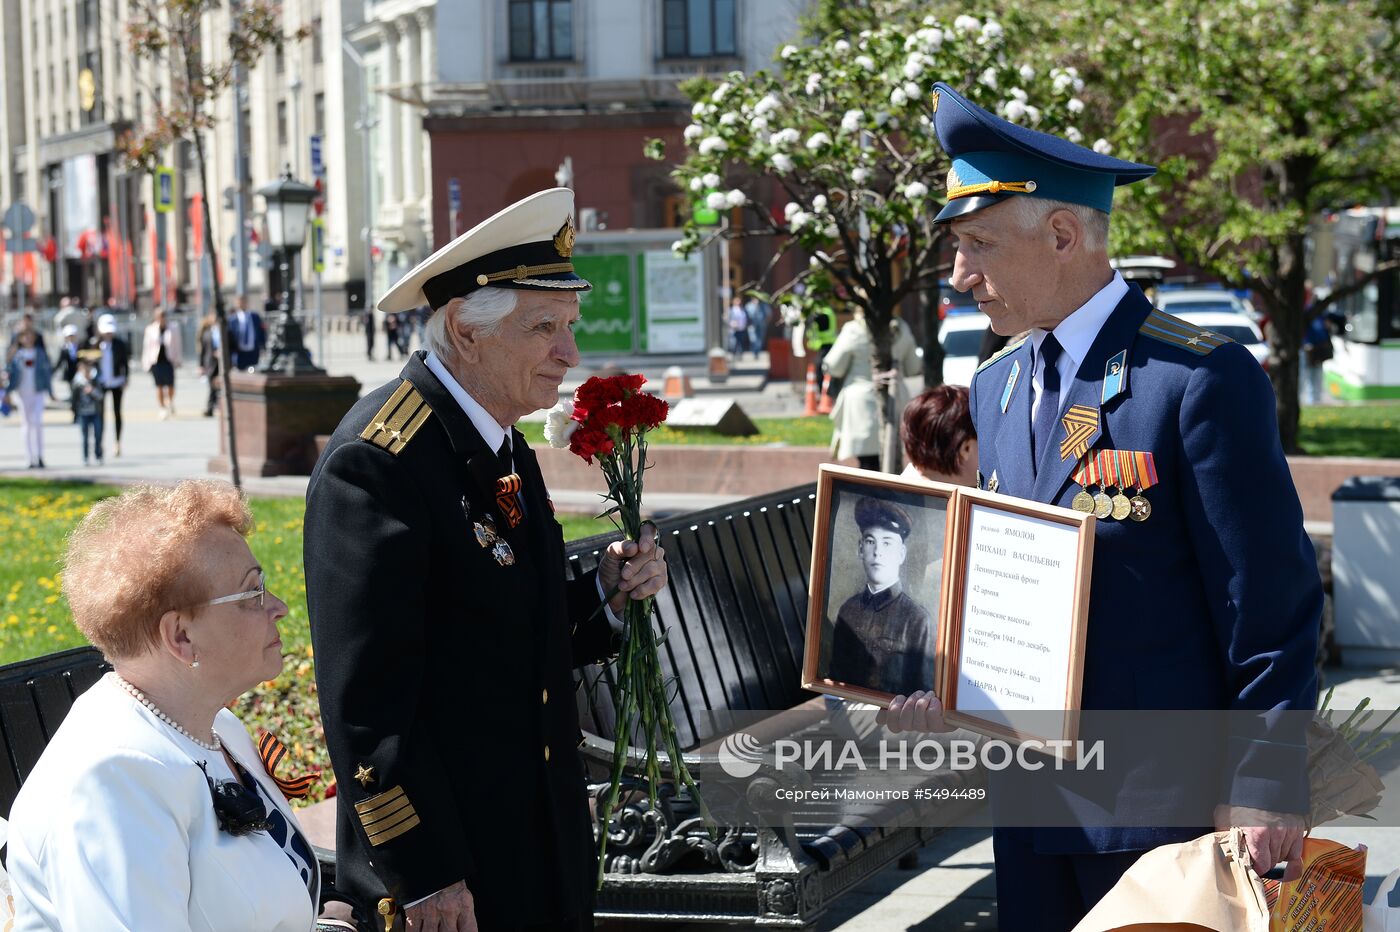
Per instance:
(259,593)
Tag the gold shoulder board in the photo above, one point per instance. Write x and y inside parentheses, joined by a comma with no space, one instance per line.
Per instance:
(1162,326)
(394,425)
(1008,348)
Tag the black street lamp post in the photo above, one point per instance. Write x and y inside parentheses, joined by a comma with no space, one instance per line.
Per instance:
(288,210)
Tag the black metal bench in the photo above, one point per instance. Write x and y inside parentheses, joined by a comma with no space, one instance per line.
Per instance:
(736,613)
(35,696)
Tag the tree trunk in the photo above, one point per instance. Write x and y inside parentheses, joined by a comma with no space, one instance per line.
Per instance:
(221,318)
(882,360)
(1286,326)
(933,347)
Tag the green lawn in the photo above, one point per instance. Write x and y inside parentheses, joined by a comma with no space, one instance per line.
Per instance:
(35,518)
(789,431)
(1371,430)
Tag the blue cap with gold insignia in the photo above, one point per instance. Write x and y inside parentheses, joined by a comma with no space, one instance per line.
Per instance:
(994,159)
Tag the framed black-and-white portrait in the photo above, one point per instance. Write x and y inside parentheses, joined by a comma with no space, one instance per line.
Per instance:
(876,585)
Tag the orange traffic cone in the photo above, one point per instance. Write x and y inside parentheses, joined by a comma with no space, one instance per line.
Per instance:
(810,402)
(824,406)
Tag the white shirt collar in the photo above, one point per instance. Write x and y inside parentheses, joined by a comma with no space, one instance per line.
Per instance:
(492,432)
(1077,332)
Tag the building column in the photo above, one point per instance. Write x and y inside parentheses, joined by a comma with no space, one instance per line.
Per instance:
(410,44)
(393,170)
(427,57)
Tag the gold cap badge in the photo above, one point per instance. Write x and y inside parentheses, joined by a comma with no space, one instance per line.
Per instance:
(564,239)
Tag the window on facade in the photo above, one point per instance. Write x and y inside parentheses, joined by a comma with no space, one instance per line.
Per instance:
(698,28)
(280,58)
(282,123)
(318,115)
(316,52)
(541,30)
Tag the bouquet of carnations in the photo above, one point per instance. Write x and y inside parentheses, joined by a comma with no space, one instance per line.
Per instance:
(608,421)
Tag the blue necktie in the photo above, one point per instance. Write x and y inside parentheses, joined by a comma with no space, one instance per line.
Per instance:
(1043,426)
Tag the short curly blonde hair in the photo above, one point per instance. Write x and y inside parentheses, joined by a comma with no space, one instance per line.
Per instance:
(133,558)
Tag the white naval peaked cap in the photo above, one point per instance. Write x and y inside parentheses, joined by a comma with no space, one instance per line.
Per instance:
(528,245)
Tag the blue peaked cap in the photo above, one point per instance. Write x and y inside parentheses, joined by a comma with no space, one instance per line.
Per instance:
(994,159)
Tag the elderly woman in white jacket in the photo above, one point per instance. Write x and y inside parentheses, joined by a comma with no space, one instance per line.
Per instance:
(857,412)
(150,808)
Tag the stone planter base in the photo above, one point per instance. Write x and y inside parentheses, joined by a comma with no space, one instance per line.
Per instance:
(278,418)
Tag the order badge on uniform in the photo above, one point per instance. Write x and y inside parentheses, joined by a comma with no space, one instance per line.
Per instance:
(503,554)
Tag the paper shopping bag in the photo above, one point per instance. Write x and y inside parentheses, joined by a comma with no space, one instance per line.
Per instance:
(1380,916)
(1195,885)
(1327,897)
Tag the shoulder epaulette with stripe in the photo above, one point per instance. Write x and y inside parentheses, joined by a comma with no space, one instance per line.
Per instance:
(1008,348)
(1160,325)
(395,424)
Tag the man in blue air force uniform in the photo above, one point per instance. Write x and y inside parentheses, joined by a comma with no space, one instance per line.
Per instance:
(1205,591)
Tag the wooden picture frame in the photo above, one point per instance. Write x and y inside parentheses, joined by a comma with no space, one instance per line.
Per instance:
(838,550)
(1058,626)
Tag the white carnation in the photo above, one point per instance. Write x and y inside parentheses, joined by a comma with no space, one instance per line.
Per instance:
(711,180)
(915,190)
(1075,105)
(850,122)
(559,424)
(715,200)
(736,198)
(712,144)
(1103,147)
(782,163)
(818,141)
(788,51)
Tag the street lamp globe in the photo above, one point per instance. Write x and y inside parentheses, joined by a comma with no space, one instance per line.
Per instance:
(288,211)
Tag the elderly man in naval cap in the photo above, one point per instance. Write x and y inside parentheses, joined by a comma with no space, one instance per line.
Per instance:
(1205,591)
(444,629)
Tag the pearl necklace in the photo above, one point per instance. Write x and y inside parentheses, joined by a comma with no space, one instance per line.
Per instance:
(140,697)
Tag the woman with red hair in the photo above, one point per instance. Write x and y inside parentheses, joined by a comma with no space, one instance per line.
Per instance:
(939,440)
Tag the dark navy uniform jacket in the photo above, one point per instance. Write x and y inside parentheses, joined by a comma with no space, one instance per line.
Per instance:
(1214,601)
(445,675)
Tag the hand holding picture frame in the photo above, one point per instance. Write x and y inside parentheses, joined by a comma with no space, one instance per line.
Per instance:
(1004,580)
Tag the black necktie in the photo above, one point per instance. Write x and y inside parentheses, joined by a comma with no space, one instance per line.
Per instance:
(503,455)
(1043,425)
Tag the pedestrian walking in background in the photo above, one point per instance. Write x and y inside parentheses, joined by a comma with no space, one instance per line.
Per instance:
(31,378)
(758,313)
(738,327)
(112,371)
(160,354)
(65,364)
(249,335)
(391,335)
(210,342)
(1317,349)
(857,410)
(87,404)
(25,325)
(368,321)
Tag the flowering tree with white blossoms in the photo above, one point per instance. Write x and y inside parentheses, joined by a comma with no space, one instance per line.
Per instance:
(841,135)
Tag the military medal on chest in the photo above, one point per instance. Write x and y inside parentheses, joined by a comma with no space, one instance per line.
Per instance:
(502,552)
(1120,470)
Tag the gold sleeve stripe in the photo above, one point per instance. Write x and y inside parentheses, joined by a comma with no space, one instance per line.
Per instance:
(385,813)
(367,806)
(395,832)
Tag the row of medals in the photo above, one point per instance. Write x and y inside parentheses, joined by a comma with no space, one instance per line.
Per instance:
(488,536)
(1119,507)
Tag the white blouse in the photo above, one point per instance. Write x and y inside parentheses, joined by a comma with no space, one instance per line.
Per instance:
(115,830)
